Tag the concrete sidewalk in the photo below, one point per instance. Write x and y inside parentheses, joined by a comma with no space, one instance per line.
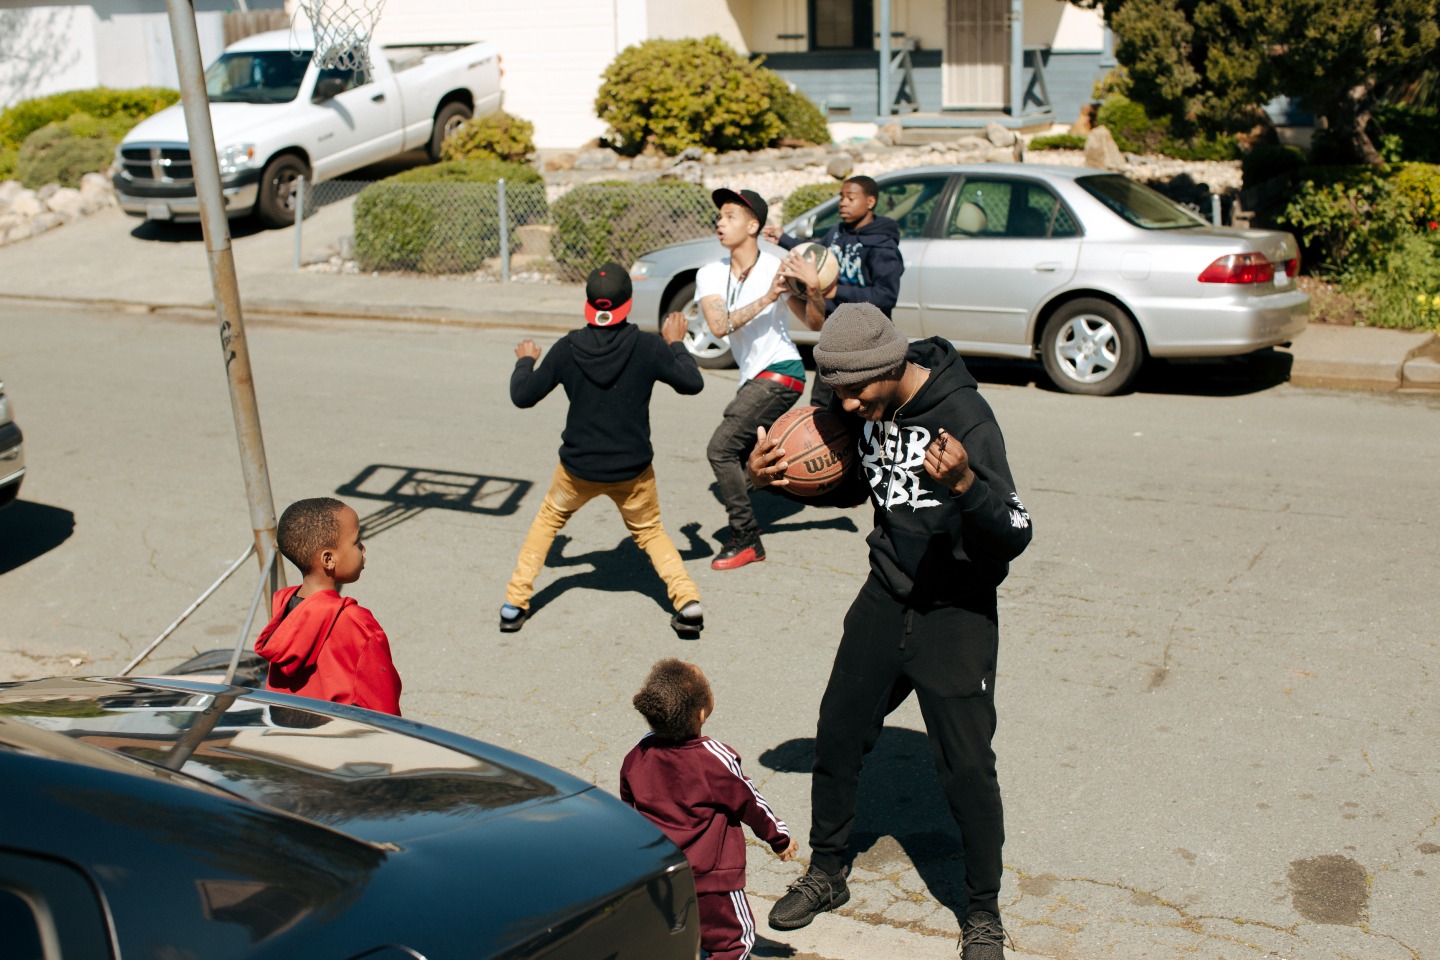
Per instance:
(112,259)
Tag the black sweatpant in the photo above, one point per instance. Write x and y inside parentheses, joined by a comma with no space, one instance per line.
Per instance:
(946,655)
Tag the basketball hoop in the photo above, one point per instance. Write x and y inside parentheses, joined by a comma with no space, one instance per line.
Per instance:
(342,31)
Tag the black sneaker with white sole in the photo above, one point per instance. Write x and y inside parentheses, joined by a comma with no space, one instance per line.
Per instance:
(689,620)
(813,894)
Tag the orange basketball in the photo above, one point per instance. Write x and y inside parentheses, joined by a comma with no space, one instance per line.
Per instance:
(817,446)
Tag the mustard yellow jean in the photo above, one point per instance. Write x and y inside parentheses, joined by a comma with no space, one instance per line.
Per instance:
(639,502)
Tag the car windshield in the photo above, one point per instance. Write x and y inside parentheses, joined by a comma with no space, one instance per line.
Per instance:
(1138,204)
(260,76)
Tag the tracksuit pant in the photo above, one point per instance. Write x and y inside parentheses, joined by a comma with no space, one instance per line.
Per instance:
(946,655)
(758,403)
(727,927)
(639,503)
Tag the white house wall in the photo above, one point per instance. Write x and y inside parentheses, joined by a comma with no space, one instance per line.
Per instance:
(670,19)
(553,51)
(109,43)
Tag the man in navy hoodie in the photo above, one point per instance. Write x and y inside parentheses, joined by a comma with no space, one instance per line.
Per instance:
(608,369)
(947,523)
(867,248)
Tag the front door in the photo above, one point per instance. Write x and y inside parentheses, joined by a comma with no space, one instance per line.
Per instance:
(977,54)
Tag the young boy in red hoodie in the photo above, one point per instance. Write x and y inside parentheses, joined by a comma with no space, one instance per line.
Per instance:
(693,789)
(319,643)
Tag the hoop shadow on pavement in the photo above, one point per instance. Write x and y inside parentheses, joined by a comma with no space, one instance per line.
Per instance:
(622,569)
(409,491)
(900,812)
(30,530)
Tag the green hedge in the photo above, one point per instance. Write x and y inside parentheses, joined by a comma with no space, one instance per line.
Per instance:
(127,106)
(1058,141)
(675,94)
(1137,132)
(495,136)
(800,118)
(443,218)
(1354,216)
(811,195)
(64,151)
(598,222)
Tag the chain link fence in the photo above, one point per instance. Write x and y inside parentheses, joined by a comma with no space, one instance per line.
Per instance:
(500,231)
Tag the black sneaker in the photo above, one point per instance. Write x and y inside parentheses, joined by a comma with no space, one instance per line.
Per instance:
(689,620)
(744,547)
(982,937)
(512,618)
(814,893)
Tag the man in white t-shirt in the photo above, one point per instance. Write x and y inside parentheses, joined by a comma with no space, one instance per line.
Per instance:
(739,298)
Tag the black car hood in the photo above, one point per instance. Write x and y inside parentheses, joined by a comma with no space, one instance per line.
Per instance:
(295,828)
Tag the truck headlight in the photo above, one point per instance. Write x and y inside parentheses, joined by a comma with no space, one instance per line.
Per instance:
(118,164)
(236,158)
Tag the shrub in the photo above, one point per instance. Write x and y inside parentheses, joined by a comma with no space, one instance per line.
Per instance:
(1412,132)
(1058,141)
(126,107)
(1355,215)
(1135,131)
(804,198)
(443,218)
(675,94)
(64,151)
(8,156)
(800,118)
(495,136)
(1404,286)
(618,221)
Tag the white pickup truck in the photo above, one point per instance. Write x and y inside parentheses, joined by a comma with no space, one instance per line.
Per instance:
(278,117)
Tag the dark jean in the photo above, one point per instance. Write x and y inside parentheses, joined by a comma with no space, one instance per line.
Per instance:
(946,656)
(758,403)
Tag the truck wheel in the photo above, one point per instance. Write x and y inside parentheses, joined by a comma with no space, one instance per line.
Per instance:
(276,205)
(447,121)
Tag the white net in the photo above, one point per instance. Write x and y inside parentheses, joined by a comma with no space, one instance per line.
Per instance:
(342,31)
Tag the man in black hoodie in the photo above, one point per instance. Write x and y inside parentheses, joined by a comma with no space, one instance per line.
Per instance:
(867,248)
(947,523)
(608,369)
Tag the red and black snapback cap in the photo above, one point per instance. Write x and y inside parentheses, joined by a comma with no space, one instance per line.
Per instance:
(607,295)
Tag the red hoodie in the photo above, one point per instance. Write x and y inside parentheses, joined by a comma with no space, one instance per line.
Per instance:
(329,648)
(695,791)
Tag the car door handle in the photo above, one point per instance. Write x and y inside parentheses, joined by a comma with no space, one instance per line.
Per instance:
(1048,267)
(378,97)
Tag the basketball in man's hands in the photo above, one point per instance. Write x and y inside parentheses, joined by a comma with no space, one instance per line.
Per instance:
(818,447)
(825,265)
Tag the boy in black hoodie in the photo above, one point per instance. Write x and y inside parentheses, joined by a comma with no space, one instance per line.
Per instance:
(867,248)
(608,369)
(947,522)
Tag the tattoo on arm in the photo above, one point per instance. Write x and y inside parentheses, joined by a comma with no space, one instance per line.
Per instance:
(723,324)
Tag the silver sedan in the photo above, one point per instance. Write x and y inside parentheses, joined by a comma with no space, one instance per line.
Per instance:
(1087,270)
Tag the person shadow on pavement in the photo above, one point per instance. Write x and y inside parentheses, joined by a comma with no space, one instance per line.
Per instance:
(901,817)
(774,514)
(29,530)
(622,569)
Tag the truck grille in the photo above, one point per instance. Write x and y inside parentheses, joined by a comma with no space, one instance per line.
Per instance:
(158,163)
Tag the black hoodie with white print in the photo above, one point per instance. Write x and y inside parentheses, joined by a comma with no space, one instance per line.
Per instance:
(930,547)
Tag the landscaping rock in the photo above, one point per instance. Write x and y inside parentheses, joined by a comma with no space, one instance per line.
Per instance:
(27,204)
(998,134)
(9,190)
(1101,152)
(597,159)
(840,165)
(66,203)
(890,133)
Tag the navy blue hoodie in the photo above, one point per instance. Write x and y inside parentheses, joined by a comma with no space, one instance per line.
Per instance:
(608,374)
(870,262)
(930,547)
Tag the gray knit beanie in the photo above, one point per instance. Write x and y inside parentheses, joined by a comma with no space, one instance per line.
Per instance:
(858,344)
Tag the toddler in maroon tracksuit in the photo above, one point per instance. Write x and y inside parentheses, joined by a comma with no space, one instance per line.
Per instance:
(693,789)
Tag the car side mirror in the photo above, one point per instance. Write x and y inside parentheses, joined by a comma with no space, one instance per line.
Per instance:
(805,229)
(328,88)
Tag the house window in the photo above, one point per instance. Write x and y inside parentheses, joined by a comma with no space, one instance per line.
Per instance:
(842,24)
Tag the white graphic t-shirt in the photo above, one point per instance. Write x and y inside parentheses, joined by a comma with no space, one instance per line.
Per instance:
(765,340)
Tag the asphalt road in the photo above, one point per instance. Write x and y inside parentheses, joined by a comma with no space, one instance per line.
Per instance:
(1217,739)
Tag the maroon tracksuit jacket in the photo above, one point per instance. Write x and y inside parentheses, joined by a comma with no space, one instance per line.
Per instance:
(695,791)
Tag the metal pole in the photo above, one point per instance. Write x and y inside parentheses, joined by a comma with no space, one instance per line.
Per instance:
(1215,209)
(216,226)
(884,60)
(188,610)
(299,218)
(504,231)
(249,621)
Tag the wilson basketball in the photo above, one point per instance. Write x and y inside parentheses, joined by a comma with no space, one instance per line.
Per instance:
(825,264)
(817,446)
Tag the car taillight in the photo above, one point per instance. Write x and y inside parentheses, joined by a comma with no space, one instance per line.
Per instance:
(1292,267)
(1240,268)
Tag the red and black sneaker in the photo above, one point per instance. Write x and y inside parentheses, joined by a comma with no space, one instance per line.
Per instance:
(744,547)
